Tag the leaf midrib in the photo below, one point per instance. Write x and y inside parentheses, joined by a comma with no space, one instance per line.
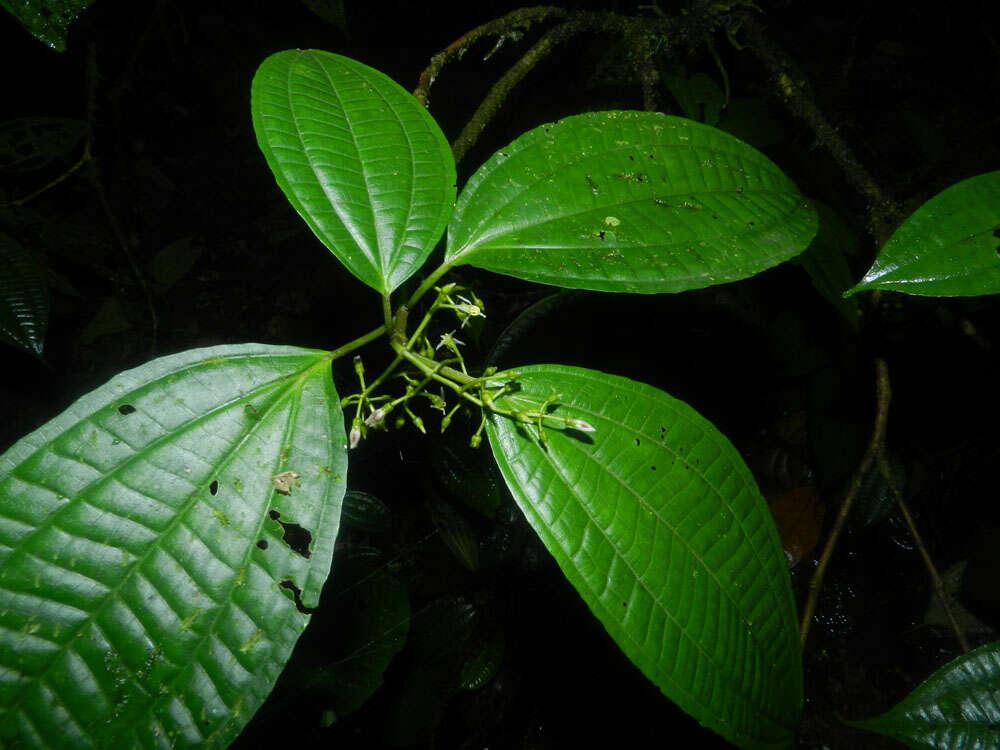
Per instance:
(111,594)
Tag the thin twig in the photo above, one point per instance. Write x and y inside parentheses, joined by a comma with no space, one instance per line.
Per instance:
(883,394)
(884,213)
(495,98)
(515,21)
(936,582)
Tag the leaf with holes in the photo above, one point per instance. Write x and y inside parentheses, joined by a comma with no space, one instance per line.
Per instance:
(357,156)
(24,298)
(657,522)
(956,708)
(629,202)
(949,247)
(150,591)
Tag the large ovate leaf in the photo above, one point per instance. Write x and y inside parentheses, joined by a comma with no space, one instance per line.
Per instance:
(657,522)
(949,247)
(47,20)
(147,594)
(956,708)
(629,202)
(24,297)
(358,157)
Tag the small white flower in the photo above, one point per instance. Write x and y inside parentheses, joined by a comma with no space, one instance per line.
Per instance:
(355,437)
(376,417)
(449,341)
(579,424)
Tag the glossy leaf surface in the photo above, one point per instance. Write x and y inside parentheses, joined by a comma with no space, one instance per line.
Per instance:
(47,20)
(629,202)
(956,708)
(357,156)
(146,592)
(657,522)
(949,247)
(24,297)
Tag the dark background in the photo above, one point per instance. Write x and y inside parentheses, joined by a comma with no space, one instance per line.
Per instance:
(913,90)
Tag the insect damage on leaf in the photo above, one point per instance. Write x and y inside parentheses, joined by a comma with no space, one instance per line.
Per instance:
(284,481)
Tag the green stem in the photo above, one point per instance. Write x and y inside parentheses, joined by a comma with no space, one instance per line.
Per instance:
(429,283)
(387,311)
(357,343)
(449,376)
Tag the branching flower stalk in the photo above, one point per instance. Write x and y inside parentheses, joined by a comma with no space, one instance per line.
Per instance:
(484,392)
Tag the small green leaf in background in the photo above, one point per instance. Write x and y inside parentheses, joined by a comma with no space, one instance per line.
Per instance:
(949,247)
(107,321)
(365,512)
(750,119)
(629,202)
(440,632)
(24,297)
(373,619)
(482,665)
(659,525)
(456,532)
(147,593)
(173,262)
(358,157)
(826,263)
(331,11)
(463,474)
(47,20)
(956,708)
(31,143)
(700,97)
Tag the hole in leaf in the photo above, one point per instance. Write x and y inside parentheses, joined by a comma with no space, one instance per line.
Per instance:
(652,468)
(274,515)
(126,409)
(296,537)
(296,597)
(262,544)
(638,442)
(213,488)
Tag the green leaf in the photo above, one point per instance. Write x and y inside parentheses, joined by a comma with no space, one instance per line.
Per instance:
(629,202)
(174,262)
(24,297)
(373,612)
(956,708)
(456,532)
(463,472)
(47,20)
(365,512)
(483,664)
(146,593)
(657,522)
(357,156)
(331,11)
(699,96)
(948,248)
(31,143)
(826,264)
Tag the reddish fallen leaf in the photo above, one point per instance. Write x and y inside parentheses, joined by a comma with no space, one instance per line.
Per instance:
(798,514)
